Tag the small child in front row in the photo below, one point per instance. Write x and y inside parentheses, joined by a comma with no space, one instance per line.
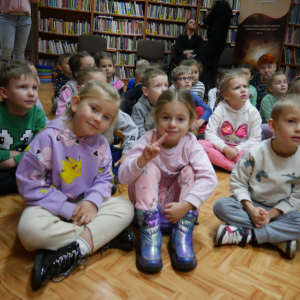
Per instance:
(182,78)
(196,68)
(214,96)
(266,184)
(141,66)
(168,173)
(277,87)
(235,124)
(65,178)
(20,120)
(249,70)
(77,62)
(105,62)
(155,82)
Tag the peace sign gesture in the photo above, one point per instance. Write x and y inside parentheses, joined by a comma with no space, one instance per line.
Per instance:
(151,150)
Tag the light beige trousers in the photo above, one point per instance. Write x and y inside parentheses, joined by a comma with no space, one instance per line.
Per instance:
(40,229)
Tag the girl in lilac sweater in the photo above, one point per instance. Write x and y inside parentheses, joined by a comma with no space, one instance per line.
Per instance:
(170,175)
(65,178)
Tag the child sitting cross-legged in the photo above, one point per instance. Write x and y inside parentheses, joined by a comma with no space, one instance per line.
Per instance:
(20,120)
(154,82)
(65,178)
(182,78)
(266,184)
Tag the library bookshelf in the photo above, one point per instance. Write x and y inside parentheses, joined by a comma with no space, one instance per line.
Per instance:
(122,23)
(290,54)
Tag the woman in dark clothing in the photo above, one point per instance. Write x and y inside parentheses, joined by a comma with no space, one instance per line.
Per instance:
(218,21)
(188,44)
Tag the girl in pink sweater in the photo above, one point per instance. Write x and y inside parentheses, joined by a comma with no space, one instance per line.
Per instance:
(170,175)
(77,62)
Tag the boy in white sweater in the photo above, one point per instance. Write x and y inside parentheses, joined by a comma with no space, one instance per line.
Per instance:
(266,187)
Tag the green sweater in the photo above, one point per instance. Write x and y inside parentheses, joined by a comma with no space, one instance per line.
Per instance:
(252,94)
(266,107)
(17,133)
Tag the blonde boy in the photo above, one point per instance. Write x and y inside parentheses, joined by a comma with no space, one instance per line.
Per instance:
(266,186)
(154,82)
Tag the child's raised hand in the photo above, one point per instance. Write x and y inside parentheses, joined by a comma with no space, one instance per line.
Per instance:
(175,211)
(84,213)
(151,150)
(230,152)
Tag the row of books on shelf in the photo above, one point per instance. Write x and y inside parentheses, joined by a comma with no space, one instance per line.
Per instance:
(292,36)
(234,20)
(59,26)
(296,1)
(125,73)
(119,8)
(183,2)
(169,30)
(290,72)
(235,4)
(170,13)
(48,62)
(118,26)
(231,35)
(56,47)
(123,59)
(121,42)
(167,43)
(67,4)
(295,16)
(291,56)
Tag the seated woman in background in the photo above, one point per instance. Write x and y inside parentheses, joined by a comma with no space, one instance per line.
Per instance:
(189,44)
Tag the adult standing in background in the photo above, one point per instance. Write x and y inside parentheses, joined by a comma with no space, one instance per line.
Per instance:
(189,44)
(218,21)
(15,24)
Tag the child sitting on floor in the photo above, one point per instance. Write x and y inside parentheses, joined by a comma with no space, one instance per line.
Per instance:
(265,185)
(235,124)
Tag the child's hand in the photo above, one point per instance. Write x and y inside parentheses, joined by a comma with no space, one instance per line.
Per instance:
(151,150)
(121,160)
(8,164)
(52,98)
(259,216)
(175,211)
(13,153)
(230,153)
(84,213)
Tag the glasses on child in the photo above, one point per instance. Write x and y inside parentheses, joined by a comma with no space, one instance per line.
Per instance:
(182,78)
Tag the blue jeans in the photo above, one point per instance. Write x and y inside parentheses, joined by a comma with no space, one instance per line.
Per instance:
(14,32)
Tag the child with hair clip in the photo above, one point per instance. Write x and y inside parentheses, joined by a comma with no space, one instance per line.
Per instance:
(235,125)
(295,87)
(277,87)
(65,178)
(214,97)
(77,62)
(168,174)
(196,68)
(105,62)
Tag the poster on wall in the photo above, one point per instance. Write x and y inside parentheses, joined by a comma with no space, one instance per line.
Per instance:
(261,30)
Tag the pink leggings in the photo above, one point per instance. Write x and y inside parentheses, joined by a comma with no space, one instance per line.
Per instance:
(218,158)
(147,193)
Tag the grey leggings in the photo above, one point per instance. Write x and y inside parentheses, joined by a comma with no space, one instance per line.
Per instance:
(285,227)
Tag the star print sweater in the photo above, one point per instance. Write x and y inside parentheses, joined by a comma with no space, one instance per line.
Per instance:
(240,128)
(16,133)
(265,177)
(187,152)
(58,167)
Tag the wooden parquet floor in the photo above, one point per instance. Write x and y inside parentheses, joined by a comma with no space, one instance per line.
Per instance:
(223,273)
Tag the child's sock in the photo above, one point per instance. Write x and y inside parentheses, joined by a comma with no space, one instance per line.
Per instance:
(85,249)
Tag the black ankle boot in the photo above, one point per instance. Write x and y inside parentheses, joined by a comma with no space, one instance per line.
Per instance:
(56,265)
(125,241)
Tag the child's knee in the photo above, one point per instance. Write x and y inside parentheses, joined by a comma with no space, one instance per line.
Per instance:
(220,207)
